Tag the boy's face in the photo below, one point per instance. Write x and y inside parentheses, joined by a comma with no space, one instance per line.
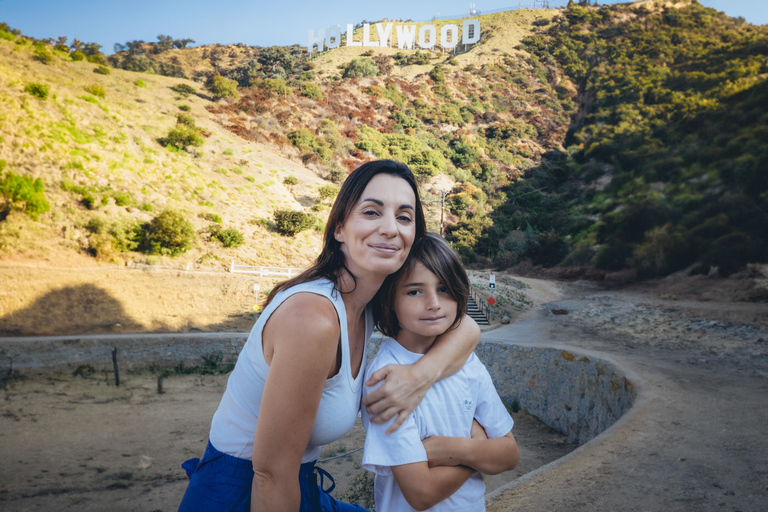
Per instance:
(423,306)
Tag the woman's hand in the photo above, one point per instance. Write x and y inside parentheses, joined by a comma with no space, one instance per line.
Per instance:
(403,389)
(405,385)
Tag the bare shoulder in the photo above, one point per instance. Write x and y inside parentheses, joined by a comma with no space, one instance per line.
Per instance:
(304,317)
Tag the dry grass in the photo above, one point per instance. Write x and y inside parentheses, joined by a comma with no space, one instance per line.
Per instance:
(109,146)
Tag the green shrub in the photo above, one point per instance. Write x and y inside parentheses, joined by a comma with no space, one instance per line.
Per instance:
(123,198)
(22,193)
(77,56)
(140,83)
(276,85)
(185,108)
(212,217)
(291,181)
(37,90)
(169,233)
(328,192)
(183,89)
(181,136)
(437,74)
(311,90)
(42,53)
(290,222)
(185,119)
(229,237)
(96,90)
(222,87)
(102,70)
(361,67)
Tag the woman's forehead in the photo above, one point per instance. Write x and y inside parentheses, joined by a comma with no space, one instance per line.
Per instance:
(388,187)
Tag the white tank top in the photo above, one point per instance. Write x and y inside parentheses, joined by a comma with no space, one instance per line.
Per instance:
(234,423)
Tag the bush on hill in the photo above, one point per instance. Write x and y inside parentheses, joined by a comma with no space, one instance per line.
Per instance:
(291,222)
(37,90)
(21,193)
(360,67)
(222,87)
(169,233)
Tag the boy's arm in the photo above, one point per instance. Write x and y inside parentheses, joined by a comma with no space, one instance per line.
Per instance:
(405,385)
(424,487)
(489,456)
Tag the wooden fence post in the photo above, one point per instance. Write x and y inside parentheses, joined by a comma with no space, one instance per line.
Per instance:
(114,365)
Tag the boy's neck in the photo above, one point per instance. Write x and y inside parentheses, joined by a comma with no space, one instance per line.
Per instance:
(415,343)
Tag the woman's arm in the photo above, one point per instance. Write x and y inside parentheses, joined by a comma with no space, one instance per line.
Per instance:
(489,456)
(405,385)
(300,355)
(424,487)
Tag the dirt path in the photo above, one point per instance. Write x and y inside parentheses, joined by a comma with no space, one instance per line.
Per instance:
(696,438)
(74,443)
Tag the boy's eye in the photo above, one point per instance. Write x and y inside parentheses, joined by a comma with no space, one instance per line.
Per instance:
(412,292)
(442,289)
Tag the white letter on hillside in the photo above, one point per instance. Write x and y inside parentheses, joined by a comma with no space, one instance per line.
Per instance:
(350,35)
(333,36)
(384,34)
(454,29)
(405,36)
(367,36)
(312,40)
(472,26)
(423,36)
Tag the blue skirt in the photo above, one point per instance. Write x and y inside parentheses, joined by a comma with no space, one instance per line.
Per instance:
(221,482)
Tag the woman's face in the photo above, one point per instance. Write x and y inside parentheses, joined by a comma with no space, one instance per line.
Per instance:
(378,232)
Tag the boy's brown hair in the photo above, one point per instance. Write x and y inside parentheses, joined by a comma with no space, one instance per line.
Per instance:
(433,252)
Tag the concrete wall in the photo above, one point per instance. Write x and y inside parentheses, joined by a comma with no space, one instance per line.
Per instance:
(578,395)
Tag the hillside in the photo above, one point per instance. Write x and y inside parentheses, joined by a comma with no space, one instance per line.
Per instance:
(618,137)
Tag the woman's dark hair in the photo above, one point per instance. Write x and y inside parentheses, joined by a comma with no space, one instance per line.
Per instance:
(330,262)
(433,252)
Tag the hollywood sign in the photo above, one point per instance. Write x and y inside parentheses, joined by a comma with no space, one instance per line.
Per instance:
(406,36)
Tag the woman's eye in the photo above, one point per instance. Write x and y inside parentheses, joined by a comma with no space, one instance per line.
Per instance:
(404,218)
(370,213)
(412,292)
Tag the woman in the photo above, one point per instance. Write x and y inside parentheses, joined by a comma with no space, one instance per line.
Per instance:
(298,380)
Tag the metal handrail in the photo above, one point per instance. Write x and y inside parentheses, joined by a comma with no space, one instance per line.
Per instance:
(482,305)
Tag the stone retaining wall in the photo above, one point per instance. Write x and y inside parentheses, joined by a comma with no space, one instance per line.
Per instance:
(575,394)
(578,395)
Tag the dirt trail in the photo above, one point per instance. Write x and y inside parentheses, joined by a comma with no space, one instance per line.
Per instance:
(696,438)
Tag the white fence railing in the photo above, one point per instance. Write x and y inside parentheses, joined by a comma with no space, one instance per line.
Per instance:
(264,271)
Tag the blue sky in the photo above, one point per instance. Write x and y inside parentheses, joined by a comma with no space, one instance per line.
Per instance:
(253,22)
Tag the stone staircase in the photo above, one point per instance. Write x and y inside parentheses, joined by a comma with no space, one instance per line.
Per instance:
(474,311)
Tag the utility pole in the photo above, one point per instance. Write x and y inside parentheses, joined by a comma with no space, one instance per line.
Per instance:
(442,207)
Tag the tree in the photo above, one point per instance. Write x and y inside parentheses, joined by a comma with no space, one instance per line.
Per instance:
(222,87)
(182,43)
(290,182)
(169,233)
(274,57)
(360,67)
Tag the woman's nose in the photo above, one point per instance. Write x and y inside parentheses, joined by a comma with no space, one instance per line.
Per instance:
(388,225)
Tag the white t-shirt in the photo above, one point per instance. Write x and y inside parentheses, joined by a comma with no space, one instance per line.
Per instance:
(447,409)
(234,423)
